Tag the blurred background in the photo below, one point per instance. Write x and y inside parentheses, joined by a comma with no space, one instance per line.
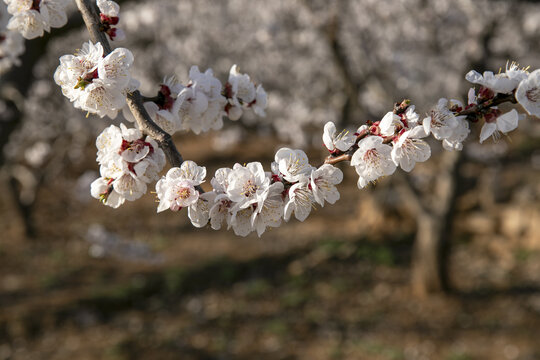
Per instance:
(441,263)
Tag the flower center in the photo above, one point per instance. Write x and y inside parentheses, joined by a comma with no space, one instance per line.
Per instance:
(492,115)
(371,156)
(249,188)
(164,99)
(83,82)
(439,118)
(137,146)
(183,193)
(533,94)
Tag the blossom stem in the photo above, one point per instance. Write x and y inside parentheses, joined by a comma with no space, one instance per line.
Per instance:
(332,160)
(484,105)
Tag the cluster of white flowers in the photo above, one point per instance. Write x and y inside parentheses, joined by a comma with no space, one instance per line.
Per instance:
(396,140)
(443,123)
(241,93)
(128,161)
(201,104)
(109,17)
(33,17)
(11,43)
(513,80)
(246,197)
(95,83)
(379,149)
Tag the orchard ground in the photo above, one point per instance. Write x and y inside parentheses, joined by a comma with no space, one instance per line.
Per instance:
(333,287)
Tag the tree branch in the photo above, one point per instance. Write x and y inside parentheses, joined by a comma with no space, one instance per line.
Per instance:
(134,100)
(497,100)
(91,19)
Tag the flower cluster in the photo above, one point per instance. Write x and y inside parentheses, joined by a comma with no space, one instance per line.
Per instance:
(201,104)
(33,17)
(128,162)
(109,17)
(95,83)
(396,140)
(494,86)
(378,149)
(445,125)
(247,198)
(241,93)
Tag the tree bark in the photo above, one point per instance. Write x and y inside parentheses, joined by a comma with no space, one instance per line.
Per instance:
(431,249)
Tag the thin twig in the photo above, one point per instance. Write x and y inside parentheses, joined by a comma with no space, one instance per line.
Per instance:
(332,160)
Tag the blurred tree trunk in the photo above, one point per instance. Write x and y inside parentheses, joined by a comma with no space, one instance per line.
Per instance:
(427,258)
(431,249)
(14,87)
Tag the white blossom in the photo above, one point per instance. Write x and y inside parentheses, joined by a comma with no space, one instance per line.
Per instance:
(323,183)
(33,18)
(300,201)
(372,160)
(411,117)
(199,212)
(240,222)
(176,189)
(342,141)
(219,212)
(102,190)
(459,133)
(503,123)
(293,165)
(408,148)
(528,93)
(109,16)
(108,142)
(269,212)
(124,177)
(242,93)
(247,184)
(93,83)
(200,105)
(129,185)
(389,123)
(441,121)
(503,83)
(242,88)
(128,162)
(261,102)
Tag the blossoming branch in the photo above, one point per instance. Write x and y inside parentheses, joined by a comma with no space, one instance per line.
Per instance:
(247,198)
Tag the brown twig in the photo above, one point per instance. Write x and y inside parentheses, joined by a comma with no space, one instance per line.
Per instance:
(332,160)
(497,100)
